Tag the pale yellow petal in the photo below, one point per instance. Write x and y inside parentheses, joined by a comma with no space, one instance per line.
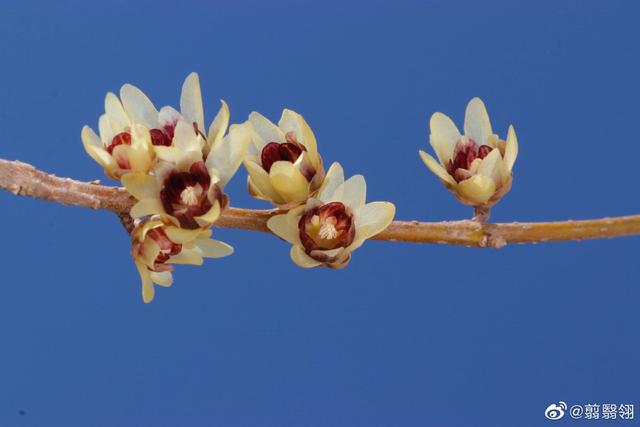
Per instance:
(294,122)
(226,156)
(147,284)
(180,235)
(191,101)
(267,131)
(211,248)
(105,129)
(332,181)
(168,154)
(261,181)
(219,125)
(490,166)
(511,149)
(185,138)
(374,218)
(354,193)
(138,107)
(478,188)
(94,147)
(444,136)
(146,207)
(436,168)
(288,181)
(301,259)
(140,185)
(162,278)
(187,257)
(477,125)
(210,217)
(285,226)
(118,118)
(139,159)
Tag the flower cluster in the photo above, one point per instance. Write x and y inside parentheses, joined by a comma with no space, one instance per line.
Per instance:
(175,170)
(324,218)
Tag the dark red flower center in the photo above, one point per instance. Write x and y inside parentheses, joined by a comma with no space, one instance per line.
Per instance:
(463,156)
(164,135)
(326,227)
(185,194)
(167,247)
(123,138)
(275,151)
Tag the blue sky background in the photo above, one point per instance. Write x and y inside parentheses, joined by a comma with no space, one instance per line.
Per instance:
(407,335)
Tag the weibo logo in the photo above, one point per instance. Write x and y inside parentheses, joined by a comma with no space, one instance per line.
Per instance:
(555,411)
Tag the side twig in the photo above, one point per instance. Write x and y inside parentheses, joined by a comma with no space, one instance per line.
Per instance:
(25,180)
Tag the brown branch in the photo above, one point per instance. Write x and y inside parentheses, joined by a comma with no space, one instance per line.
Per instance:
(25,180)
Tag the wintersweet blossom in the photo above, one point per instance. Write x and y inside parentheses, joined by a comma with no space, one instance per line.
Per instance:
(282,161)
(328,228)
(156,247)
(162,124)
(122,146)
(185,189)
(477,166)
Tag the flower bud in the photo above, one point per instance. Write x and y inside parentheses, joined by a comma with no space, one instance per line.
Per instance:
(477,166)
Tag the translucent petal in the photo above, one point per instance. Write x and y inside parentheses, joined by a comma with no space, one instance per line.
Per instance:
(219,125)
(267,131)
(302,259)
(511,149)
(191,101)
(162,278)
(261,181)
(146,207)
(477,125)
(478,188)
(226,156)
(354,192)
(490,166)
(333,180)
(374,218)
(138,106)
(436,168)
(214,248)
(147,284)
(294,122)
(210,217)
(140,185)
(288,181)
(117,116)
(93,146)
(185,138)
(286,227)
(444,136)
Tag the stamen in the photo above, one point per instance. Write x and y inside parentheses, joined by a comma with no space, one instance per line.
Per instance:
(189,196)
(328,230)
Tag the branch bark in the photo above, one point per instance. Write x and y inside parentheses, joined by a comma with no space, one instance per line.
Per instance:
(25,180)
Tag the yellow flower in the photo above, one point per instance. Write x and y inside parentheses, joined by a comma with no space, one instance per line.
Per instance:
(123,146)
(162,124)
(282,161)
(185,189)
(328,228)
(155,247)
(130,128)
(475,166)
